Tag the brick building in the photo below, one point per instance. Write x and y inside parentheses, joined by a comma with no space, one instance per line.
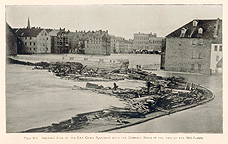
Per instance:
(11,41)
(148,42)
(98,43)
(195,47)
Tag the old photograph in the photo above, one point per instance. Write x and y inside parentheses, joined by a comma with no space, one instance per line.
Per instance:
(123,68)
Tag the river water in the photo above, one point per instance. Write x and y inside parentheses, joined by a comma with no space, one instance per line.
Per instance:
(36,98)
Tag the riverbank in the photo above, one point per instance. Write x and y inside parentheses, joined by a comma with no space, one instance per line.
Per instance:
(166,96)
(132,123)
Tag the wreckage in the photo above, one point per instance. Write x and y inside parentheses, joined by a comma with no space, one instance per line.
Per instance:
(158,97)
(162,96)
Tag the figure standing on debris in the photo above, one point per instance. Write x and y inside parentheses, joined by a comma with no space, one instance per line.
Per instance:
(148,84)
(115,86)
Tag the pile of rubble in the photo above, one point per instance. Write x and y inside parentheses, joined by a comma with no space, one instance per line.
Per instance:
(76,71)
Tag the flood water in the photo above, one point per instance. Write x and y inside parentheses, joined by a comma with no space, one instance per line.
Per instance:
(36,98)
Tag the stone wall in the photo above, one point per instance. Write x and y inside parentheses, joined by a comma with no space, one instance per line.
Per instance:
(188,55)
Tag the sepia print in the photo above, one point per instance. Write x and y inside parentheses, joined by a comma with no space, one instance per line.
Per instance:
(114,68)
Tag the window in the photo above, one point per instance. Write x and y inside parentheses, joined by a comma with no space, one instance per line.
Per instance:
(34,43)
(25,37)
(193,55)
(183,31)
(199,66)
(220,48)
(200,56)
(30,38)
(25,43)
(47,38)
(201,42)
(217,58)
(200,31)
(195,23)
(30,43)
(216,48)
(192,67)
(194,42)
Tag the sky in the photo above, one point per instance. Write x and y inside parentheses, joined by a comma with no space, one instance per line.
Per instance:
(119,20)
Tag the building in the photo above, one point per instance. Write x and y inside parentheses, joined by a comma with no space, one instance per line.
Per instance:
(32,40)
(97,43)
(195,47)
(149,42)
(59,41)
(124,46)
(53,35)
(121,45)
(11,41)
(113,44)
(77,42)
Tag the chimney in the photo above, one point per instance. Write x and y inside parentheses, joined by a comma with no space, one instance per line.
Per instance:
(106,31)
(216,28)
(76,31)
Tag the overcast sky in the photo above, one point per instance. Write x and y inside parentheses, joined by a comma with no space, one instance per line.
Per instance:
(120,20)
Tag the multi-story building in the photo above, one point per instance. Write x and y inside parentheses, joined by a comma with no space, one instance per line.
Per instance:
(195,47)
(98,43)
(76,42)
(59,41)
(148,42)
(124,46)
(11,41)
(113,44)
(53,35)
(33,40)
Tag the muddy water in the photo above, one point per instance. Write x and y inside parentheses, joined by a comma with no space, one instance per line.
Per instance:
(36,98)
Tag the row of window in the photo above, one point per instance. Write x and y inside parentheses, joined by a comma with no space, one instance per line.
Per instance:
(44,34)
(216,48)
(34,49)
(193,66)
(194,55)
(94,42)
(155,42)
(30,43)
(28,38)
(141,38)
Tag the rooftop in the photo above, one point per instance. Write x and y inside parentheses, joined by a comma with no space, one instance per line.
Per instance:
(191,29)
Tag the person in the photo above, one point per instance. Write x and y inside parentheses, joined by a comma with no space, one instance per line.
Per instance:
(115,86)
